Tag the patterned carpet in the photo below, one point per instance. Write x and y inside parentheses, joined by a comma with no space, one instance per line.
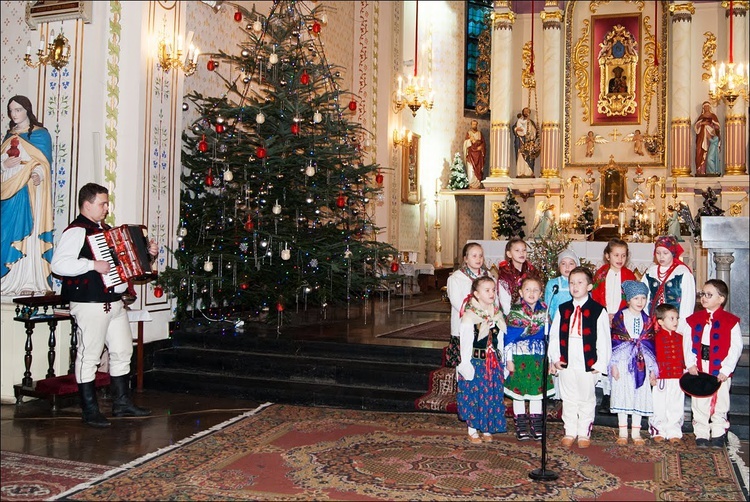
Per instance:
(28,477)
(296,453)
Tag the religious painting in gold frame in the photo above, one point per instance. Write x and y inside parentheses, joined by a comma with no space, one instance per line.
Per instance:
(613,191)
(410,171)
(616,84)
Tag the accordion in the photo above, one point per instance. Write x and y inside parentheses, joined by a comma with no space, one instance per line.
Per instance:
(126,249)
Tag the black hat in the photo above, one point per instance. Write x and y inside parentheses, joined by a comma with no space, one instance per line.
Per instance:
(700,385)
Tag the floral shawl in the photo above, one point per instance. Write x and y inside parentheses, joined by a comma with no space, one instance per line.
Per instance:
(525,323)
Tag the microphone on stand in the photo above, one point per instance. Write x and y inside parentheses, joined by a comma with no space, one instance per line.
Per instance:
(543,474)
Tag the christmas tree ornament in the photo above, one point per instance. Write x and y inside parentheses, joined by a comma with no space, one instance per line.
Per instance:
(158,291)
(246,80)
(347,253)
(260,152)
(260,118)
(353,105)
(244,286)
(185,107)
(324,18)
(340,201)
(394,266)
(294,128)
(286,253)
(280,307)
(208,265)
(228,176)
(317,117)
(257,26)
(245,53)
(379,178)
(219,128)
(249,225)
(182,232)
(219,119)
(276,209)
(304,78)
(310,170)
(211,65)
(209,180)
(273,58)
(263,243)
(316,28)
(238,16)
(203,144)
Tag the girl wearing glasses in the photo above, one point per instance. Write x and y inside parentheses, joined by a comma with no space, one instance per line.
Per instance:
(669,280)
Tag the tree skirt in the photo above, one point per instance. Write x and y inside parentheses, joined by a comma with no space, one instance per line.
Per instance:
(28,477)
(298,453)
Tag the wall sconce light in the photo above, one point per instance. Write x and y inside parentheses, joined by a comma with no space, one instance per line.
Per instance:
(58,52)
(402,138)
(169,60)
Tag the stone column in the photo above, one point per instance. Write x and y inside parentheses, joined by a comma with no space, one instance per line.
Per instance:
(735,126)
(723,261)
(681,127)
(551,89)
(500,91)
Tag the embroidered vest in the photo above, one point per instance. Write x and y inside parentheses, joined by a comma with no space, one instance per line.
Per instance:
(720,337)
(88,287)
(590,311)
(669,355)
(672,290)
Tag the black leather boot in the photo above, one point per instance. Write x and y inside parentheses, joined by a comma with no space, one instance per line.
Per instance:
(523,432)
(89,407)
(537,426)
(122,406)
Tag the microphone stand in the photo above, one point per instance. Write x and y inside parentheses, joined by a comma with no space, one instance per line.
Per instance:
(543,474)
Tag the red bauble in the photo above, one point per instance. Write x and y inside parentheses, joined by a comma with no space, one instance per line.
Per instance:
(394,266)
(203,145)
(295,128)
(379,179)
(316,27)
(244,286)
(341,201)
(238,16)
(211,65)
(220,128)
(280,307)
(260,152)
(158,291)
(249,225)
(304,78)
(209,180)
(353,105)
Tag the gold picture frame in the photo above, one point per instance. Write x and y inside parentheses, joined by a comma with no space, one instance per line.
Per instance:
(410,171)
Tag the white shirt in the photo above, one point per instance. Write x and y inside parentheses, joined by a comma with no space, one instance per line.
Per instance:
(575,342)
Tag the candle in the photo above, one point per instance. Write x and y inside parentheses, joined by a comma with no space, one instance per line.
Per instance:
(28,49)
(41,45)
(51,37)
(437,185)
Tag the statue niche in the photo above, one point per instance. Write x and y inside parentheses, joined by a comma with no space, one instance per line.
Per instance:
(618,67)
(613,192)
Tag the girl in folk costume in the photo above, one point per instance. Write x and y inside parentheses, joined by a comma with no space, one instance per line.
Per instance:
(607,291)
(524,345)
(511,271)
(669,280)
(632,361)
(481,371)
(458,288)
(609,278)
(557,290)
(713,345)
(669,399)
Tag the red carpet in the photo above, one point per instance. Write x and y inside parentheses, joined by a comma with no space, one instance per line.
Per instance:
(297,453)
(28,477)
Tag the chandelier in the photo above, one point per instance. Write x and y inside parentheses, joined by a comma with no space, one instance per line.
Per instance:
(730,81)
(57,55)
(414,95)
(177,60)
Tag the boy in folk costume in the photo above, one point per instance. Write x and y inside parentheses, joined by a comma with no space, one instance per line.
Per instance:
(668,397)
(579,350)
(632,368)
(713,345)
(481,372)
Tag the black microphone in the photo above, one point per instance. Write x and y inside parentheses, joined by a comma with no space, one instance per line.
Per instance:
(555,289)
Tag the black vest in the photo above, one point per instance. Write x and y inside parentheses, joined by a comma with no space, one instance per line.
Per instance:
(591,311)
(88,287)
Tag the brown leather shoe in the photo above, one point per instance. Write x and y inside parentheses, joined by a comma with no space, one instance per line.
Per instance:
(639,441)
(622,441)
(658,439)
(567,441)
(584,442)
(474,438)
(487,438)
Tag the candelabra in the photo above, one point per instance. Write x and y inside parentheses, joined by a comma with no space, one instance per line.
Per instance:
(58,52)
(589,180)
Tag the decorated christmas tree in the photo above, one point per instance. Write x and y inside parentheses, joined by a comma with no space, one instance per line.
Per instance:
(510,221)
(585,220)
(458,179)
(276,196)
(544,251)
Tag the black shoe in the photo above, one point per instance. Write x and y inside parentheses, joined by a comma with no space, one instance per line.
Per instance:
(89,407)
(719,442)
(122,406)
(702,443)
(537,426)
(604,406)
(523,427)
